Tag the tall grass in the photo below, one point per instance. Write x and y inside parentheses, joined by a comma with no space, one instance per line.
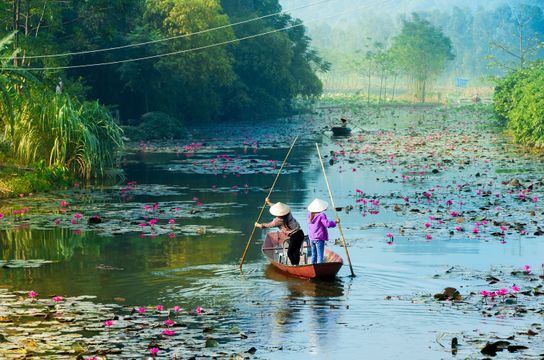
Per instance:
(79,136)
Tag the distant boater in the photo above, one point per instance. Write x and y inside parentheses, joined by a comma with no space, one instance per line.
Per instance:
(344,122)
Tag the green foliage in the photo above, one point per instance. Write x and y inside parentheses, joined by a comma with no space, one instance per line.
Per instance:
(274,69)
(520,99)
(503,93)
(422,51)
(42,179)
(63,132)
(156,126)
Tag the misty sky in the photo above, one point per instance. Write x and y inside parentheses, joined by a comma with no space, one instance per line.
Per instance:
(355,10)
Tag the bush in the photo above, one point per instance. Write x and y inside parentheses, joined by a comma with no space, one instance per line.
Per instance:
(42,179)
(502,98)
(156,126)
(81,137)
(520,100)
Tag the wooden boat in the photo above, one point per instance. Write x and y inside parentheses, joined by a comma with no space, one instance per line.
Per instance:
(340,131)
(276,253)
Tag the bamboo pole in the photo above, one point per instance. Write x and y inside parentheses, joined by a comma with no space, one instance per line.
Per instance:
(334,207)
(264,205)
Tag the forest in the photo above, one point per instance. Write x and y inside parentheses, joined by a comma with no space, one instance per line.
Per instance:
(102,72)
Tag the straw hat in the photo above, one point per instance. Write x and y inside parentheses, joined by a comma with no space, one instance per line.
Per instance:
(318,205)
(279,209)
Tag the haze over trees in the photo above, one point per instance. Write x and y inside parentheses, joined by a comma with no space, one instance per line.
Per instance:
(485,36)
(421,50)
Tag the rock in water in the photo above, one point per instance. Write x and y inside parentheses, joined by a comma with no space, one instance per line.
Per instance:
(449,293)
(515,182)
(93,220)
(491,349)
(454,345)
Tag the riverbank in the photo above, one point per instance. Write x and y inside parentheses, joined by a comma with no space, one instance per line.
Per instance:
(17,181)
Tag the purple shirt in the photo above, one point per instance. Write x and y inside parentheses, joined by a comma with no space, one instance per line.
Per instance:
(318,226)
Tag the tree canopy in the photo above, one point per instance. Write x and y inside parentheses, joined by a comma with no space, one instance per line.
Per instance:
(254,77)
(422,51)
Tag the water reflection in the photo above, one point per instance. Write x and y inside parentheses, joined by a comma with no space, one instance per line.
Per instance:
(312,309)
(301,288)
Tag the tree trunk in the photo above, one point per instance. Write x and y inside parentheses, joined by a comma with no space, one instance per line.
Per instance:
(394,87)
(27,30)
(381,87)
(368,90)
(15,10)
(385,89)
(41,19)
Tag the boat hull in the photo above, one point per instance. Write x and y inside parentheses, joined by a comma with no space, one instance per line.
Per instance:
(326,270)
(340,131)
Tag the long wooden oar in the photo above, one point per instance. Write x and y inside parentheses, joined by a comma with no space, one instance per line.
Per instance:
(264,205)
(334,207)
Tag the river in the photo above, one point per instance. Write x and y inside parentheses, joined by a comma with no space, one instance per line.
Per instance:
(408,161)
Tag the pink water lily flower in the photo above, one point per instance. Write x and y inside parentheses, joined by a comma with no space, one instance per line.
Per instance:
(57,298)
(1,215)
(177,309)
(159,307)
(108,323)
(198,310)
(152,222)
(141,310)
(169,322)
(515,289)
(427,225)
(527,269)
(428,237)
(171,221)
(154,351)
(168,332)
(32,294)
(475,230)
(484,293)
(502,292)
(77,216)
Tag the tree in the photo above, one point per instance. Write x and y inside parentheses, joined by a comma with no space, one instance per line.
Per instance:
(422,51)
(522,23)
(272,69)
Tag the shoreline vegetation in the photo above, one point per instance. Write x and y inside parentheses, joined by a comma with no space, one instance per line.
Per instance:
(17,179)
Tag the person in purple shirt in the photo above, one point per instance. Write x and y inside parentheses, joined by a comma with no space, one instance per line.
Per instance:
(317,227)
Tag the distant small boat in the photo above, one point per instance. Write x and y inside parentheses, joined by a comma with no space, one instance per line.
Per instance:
(272,248)
(340,131)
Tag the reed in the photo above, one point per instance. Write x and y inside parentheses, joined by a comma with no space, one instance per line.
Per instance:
(82,137)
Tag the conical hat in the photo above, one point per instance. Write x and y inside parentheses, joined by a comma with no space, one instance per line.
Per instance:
(318,205)
(279,209)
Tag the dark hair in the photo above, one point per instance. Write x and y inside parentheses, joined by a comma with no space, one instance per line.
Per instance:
(285,219)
